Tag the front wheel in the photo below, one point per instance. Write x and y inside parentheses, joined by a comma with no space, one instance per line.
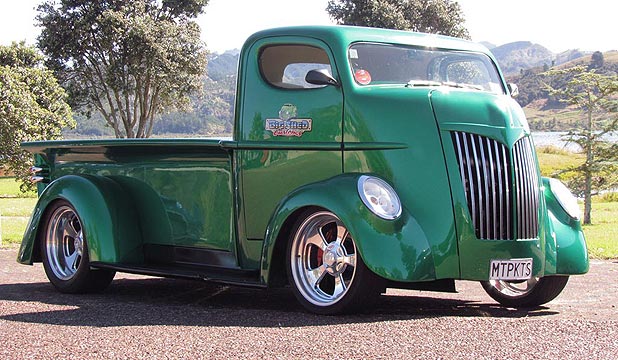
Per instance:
(65,252)
(325,269)
(525,294)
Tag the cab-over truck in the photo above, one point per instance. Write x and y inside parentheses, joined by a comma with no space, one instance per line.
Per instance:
(361,159)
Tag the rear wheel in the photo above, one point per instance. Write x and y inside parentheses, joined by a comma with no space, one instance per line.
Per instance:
(528,293)
(325,269)
(65,252)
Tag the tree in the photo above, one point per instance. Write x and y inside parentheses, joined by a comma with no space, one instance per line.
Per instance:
(597,60)
(32,106)
(596,96)
(431,16)
(128,60)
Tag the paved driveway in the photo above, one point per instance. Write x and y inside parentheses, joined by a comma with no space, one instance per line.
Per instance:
(143,317)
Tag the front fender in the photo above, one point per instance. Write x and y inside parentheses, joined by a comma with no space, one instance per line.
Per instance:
(566,238)
(105,210)
(396,250)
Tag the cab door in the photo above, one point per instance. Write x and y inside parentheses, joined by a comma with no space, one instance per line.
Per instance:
(290,131)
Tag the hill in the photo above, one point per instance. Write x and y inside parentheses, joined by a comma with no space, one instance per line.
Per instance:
(519,56)
(513,57)
(544,112)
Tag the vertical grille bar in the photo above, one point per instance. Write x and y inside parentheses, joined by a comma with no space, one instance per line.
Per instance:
(528,190)
(494,179)
(508,197)
(477,185)
(470,183)
(485,169)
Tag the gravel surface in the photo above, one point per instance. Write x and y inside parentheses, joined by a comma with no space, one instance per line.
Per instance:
(140,317)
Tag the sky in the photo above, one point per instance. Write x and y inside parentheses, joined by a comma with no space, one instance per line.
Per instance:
(556,24)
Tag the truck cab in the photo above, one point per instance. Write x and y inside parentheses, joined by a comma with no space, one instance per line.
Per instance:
(361,159)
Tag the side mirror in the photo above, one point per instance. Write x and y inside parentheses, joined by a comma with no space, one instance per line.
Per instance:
(321,77)
(513,89)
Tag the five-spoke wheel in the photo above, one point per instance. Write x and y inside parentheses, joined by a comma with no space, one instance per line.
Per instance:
(65,252)
(64,242)
(325,269)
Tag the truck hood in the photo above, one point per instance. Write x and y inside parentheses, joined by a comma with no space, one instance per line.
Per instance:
(498,117)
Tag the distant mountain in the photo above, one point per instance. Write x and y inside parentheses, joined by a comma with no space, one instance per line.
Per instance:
(519,55)
(523,55)
(223,65)
(569,55)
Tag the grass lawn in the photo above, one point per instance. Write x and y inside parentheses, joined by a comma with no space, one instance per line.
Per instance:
(602,235)
(16,206)
(552,160)
(13,229)
(10,188)
(15,209)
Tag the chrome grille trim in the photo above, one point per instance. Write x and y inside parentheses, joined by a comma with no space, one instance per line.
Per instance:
(485,170)
(527,187)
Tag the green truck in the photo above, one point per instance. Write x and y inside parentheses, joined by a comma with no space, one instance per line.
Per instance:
(361,159)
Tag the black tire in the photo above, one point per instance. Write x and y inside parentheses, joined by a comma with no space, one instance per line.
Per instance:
(326,273)
(525,294)
(64,250)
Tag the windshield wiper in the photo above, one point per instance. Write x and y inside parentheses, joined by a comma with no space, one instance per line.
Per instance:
(462,85)
(413,83)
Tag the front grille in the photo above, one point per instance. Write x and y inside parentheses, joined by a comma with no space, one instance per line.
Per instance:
(485,168)
(527,187)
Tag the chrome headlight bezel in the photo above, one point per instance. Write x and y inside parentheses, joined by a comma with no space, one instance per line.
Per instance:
(379,197)
(565,198)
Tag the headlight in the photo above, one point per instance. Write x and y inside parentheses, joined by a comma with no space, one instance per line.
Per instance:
(379,197)
(565,198)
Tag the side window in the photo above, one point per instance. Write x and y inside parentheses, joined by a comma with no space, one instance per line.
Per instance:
(285,66)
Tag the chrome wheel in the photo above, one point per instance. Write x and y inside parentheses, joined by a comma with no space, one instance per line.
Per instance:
(528,293)
(64,241)
(514,288)
(323,259)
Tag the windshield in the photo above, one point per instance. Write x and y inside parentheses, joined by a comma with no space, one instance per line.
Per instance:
(397,64)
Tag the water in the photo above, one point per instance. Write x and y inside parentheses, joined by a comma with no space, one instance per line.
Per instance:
(557,139)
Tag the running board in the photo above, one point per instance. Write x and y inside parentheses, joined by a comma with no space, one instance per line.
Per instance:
(246,278)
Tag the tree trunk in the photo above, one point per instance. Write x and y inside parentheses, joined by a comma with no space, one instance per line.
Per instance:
(588,171)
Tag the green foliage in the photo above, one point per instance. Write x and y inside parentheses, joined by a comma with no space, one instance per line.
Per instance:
(532,81)
(212,112)
(431,16)
(32,106)
(597,60)
(595,95)
(610,197)
(531,86)
(128,60)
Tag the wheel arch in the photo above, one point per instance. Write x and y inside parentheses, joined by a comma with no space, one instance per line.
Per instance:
(106,212)
(393,249)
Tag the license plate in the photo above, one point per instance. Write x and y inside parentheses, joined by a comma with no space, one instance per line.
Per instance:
(513,269)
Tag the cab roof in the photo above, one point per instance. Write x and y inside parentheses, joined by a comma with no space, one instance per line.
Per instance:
(343,35)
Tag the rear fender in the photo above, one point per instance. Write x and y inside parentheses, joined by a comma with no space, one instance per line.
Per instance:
(396,250)
(107,214)
(565,238)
